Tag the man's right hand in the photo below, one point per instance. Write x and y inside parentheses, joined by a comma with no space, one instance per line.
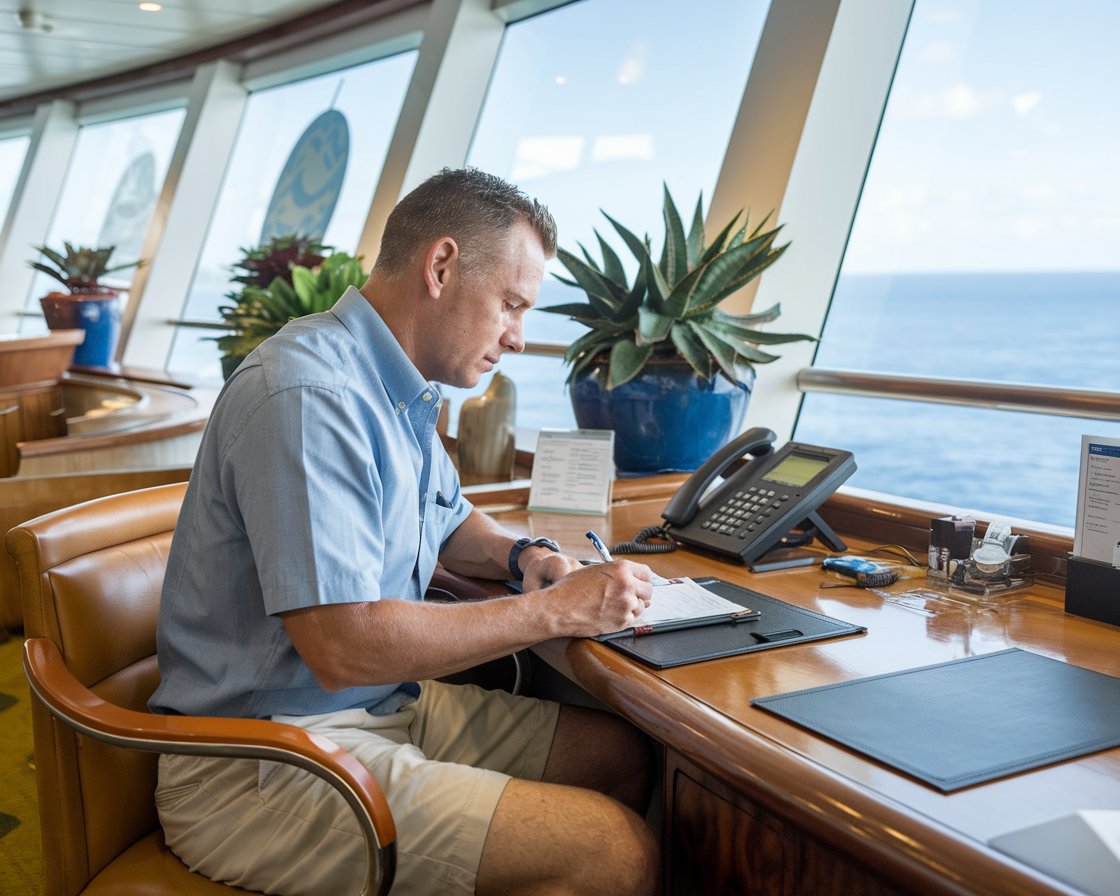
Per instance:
(601,598)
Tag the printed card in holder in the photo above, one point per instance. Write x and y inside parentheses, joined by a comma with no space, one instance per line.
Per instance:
(573,470)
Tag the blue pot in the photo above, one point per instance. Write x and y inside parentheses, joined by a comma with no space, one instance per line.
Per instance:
(99,315)
(668,419)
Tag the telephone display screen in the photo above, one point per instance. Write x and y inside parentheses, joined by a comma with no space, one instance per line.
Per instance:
(796,470)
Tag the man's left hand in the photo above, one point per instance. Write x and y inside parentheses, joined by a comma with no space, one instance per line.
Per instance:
(545,567)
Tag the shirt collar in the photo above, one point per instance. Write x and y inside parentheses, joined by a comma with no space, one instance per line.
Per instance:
(403,383)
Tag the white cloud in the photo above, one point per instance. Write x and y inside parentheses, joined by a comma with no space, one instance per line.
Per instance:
(631,71)
(1023,103)
(938,52)
(541,156)
(1038,192)
(622,146)
(958,101)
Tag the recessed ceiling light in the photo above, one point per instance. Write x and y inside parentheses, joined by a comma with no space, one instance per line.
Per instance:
(151,7)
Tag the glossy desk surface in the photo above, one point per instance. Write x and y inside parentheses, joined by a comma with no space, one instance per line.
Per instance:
(886,818)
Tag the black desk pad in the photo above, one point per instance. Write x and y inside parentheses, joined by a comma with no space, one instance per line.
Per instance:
(778,625)
(966,721)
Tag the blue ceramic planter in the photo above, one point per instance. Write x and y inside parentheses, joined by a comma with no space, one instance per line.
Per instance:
(666,420)
(99,315)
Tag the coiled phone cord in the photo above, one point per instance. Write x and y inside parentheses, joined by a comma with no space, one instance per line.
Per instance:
(642,545)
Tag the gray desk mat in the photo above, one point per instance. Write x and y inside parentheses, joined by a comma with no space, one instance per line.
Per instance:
(778,624)
(967,721)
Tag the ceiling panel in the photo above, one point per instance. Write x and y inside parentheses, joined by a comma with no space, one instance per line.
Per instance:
(60,42)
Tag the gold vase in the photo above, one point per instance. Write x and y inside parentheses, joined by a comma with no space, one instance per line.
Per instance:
(486,433)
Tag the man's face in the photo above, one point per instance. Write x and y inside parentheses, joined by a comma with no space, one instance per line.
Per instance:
(483,314)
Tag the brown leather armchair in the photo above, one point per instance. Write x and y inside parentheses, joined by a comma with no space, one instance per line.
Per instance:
(90,578)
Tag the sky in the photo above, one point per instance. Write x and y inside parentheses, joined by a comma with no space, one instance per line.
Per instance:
(998,149)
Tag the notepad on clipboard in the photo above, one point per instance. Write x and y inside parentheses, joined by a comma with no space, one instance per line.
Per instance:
(681,604)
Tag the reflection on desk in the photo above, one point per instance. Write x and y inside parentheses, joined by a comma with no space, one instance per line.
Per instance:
(756,804)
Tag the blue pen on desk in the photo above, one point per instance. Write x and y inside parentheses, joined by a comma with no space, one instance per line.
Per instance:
(600,548)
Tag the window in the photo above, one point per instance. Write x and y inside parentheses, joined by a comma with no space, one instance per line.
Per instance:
(355,110)
(12,152)
(115,177)
(592,106)
(984,248)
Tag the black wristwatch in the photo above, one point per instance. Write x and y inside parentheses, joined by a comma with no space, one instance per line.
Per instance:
(520,545)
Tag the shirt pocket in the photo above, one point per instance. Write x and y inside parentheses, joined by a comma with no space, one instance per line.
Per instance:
(437,520)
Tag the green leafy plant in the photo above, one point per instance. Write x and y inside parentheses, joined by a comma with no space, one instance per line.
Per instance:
(672,306)
(260,310)
(79,269)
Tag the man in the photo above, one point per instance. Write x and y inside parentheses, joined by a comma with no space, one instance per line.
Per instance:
(319,504)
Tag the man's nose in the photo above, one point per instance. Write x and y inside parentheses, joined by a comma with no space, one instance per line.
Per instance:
(513,339)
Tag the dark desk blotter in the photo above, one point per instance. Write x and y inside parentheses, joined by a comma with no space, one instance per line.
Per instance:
(966,721)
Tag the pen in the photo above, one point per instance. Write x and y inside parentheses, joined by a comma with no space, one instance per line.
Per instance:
(600,548)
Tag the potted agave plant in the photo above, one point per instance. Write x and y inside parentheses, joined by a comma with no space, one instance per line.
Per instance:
(285,278)
(662,364)
(87,304)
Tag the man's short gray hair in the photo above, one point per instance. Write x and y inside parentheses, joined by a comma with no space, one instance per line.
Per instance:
(472,207)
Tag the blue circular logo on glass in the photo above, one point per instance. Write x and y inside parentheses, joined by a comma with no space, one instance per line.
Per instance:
(309,186)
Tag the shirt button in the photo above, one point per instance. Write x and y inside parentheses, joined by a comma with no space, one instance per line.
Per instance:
(400,405)
(427,396)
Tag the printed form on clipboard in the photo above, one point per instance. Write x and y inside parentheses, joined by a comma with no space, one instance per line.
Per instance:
(682,603)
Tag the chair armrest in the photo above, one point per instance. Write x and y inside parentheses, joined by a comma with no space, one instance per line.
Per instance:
(76,706)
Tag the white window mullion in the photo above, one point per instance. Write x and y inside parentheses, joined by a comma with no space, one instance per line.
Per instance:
(179,226)
(824,186)
(441,107)
(54,133)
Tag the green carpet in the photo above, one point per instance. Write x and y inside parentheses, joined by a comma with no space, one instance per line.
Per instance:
(20,855)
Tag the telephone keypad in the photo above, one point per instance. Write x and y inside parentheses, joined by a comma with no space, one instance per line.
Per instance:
(746,511)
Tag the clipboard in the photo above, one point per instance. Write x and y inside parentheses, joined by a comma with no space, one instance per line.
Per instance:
(683,603)
(776,624)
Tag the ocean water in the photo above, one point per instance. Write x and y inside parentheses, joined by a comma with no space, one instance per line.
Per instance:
(1049,329)
(1056,329)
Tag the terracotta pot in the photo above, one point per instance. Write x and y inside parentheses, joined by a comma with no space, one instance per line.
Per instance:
(98,314)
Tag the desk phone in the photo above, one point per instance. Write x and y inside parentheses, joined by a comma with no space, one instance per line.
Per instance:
(761,500)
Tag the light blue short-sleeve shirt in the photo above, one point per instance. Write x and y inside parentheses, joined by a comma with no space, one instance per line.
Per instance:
(320,480)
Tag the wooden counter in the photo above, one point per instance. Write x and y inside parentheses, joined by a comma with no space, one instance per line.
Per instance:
(755,804)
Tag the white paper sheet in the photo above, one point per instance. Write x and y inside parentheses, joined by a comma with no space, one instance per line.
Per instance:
(675,600)
(1097,530)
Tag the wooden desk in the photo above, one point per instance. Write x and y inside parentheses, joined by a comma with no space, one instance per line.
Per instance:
(754,804)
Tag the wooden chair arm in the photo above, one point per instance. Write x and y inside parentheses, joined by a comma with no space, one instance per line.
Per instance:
(76,706)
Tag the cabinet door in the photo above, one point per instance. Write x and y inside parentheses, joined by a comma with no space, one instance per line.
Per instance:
(719,841)
(716,847)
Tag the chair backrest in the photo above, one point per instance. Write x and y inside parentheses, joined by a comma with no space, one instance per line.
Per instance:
(25,497)
(90,580)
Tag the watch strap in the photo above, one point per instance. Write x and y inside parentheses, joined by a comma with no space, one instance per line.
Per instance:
(520,545)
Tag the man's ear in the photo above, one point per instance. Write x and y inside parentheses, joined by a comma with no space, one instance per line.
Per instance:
(440,262)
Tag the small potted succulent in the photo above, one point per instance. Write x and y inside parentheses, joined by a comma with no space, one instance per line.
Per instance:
(662,364)
(285,278)
(87,304)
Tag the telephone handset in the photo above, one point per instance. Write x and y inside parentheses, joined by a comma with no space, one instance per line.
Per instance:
(762,500)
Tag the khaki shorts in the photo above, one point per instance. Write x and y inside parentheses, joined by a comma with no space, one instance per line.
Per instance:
(443,763)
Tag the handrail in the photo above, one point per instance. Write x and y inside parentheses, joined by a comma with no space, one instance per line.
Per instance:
(1054,400)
